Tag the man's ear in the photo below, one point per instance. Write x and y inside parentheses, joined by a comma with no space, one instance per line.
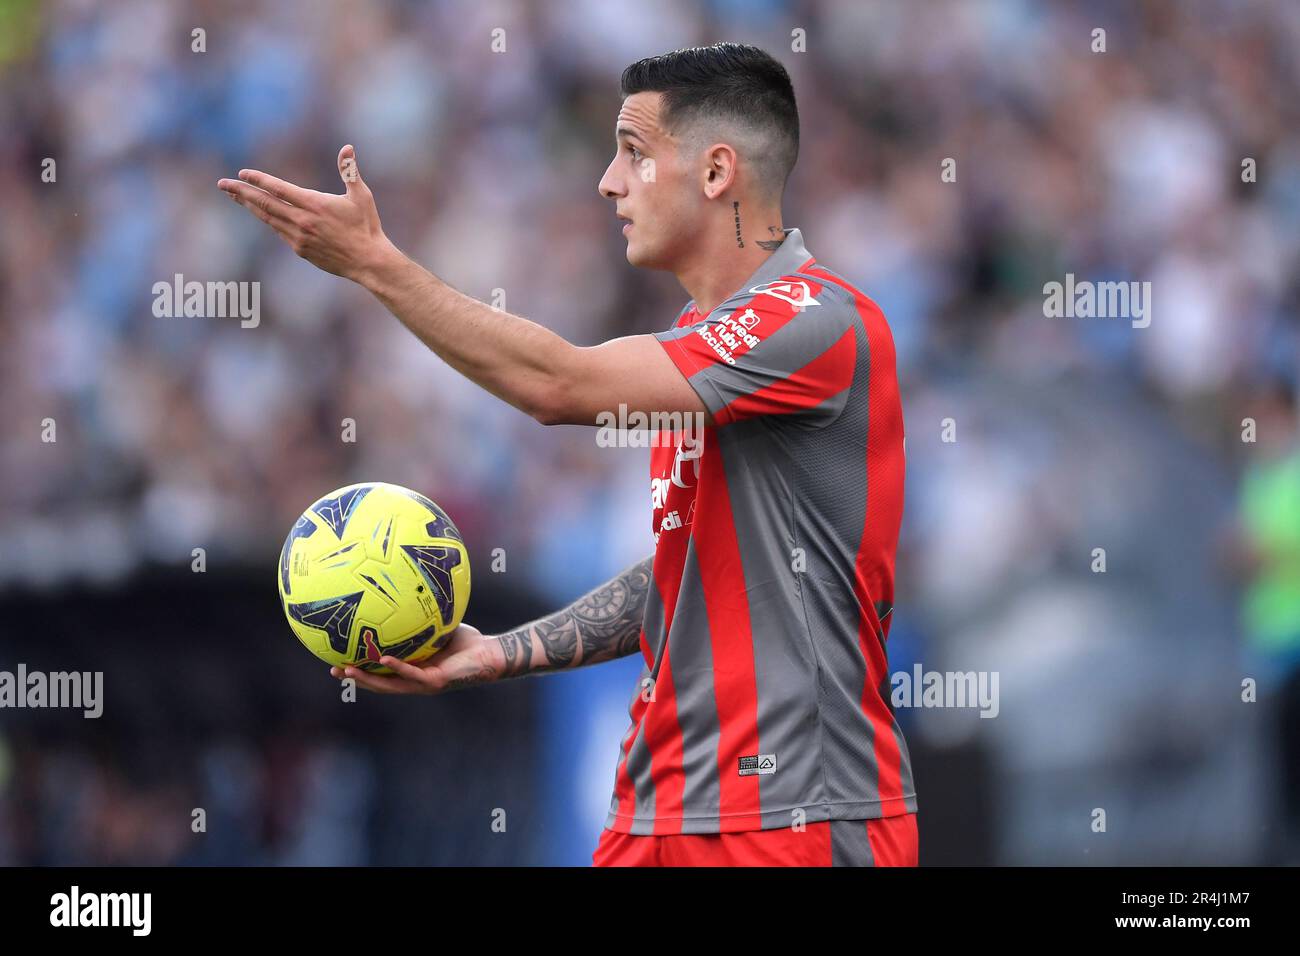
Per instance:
(719,169)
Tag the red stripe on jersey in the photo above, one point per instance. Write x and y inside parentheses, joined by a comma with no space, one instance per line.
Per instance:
(879,535)
(659,723)
(690,353)
(735,687)
(663,730)
(624,789)
(828,374)
(663,735)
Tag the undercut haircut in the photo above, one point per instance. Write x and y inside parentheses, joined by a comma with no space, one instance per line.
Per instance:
(727,88)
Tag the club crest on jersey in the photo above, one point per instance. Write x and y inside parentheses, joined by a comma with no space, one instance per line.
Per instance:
(795,292)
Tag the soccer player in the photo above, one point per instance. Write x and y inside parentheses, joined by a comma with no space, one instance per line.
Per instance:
(760,731)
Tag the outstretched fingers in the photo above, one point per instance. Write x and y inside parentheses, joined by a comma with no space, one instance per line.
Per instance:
(281,190)
(276,213)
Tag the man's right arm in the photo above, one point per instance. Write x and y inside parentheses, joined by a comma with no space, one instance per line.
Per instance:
(520,362)
(599,626)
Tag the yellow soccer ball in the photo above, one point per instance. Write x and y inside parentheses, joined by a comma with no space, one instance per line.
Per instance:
(374,569)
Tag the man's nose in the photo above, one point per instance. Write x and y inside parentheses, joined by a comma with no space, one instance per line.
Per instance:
(609,186)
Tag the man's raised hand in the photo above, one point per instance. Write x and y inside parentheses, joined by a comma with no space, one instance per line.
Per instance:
(340,234)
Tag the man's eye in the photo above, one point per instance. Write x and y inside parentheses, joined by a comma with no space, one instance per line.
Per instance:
(636,153)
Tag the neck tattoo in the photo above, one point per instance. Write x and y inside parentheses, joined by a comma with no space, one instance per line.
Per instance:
(771,245)
(735,208)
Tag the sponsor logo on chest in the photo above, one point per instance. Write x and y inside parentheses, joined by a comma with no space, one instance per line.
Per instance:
(730,336)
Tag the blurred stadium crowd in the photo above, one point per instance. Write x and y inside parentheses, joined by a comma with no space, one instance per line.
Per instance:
(1120,689)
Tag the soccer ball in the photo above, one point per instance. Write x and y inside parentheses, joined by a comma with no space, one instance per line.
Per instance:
(374,569)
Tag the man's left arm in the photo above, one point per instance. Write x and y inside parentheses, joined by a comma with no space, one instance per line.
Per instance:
(520,362)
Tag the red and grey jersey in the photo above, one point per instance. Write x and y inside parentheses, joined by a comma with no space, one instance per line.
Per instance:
(766,688)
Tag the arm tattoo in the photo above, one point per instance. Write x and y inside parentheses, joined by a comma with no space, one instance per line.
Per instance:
(518,649)
(484,674)
(771,245)
(599,626)
(559,639)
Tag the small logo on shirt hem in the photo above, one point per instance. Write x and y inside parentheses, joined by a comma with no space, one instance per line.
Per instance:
(757,764)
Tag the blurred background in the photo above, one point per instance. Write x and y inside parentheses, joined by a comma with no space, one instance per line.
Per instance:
(1120,690)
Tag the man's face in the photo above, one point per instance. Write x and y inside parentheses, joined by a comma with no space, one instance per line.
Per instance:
(652,188)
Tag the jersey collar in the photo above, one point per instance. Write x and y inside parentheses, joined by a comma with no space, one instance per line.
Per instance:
(791,256)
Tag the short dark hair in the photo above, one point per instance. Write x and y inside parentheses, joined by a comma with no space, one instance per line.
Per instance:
(728,81)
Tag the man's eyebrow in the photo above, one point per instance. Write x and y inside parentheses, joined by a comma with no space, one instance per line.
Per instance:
(629,133)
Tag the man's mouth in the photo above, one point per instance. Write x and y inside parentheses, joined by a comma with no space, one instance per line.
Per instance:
(627,225)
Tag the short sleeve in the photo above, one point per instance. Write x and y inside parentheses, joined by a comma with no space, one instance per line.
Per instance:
(786,348)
